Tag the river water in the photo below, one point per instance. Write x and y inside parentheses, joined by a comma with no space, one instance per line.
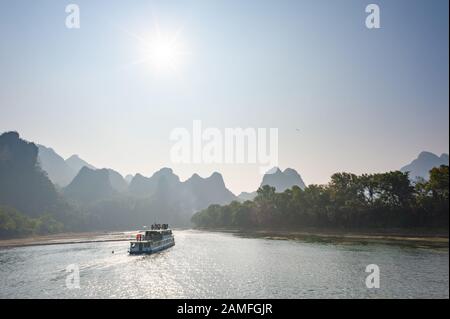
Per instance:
(220,265)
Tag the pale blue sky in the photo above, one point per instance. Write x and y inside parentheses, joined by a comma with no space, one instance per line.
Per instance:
(364,100)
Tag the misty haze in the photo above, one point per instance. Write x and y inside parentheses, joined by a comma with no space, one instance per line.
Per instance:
(224,150)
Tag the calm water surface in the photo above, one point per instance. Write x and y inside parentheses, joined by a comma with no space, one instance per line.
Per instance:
(218,265)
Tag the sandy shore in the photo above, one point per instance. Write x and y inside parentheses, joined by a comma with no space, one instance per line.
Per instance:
(67,238)
(394,237)
(391,237)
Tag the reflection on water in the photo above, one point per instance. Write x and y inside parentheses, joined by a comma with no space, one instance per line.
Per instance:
(217,265)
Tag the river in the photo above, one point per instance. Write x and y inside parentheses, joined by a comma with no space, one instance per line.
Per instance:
(221,265)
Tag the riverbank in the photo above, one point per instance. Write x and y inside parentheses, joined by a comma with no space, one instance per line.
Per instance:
(416,238)
(66,238)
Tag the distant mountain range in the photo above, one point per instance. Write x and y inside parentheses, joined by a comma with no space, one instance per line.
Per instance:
(76,163)
(420,167)
(56,167)
(109,200)
(90,185)
(84,183)
(143,186)
(194,194)
(61,172)
(206,191)
(98,198)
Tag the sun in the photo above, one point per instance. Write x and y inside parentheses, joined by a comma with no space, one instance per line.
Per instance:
(163,51)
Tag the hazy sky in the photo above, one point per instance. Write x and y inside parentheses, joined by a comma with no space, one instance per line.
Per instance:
(363,100)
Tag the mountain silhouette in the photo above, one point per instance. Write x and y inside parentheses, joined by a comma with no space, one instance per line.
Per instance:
(202,192)
(90,185)
(129,178)
(421,166)
(282,180)
(61,172)
(161,197)
(105,200)
(104,194)
(194,193)
(117,181)
(76,163)
(145,186)
(56,167)
(278,179)
(84,184)
(23,185)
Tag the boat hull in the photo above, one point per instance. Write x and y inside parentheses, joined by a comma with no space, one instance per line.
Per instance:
(152,250)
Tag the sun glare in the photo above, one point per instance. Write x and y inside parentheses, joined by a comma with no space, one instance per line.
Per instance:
(161,51)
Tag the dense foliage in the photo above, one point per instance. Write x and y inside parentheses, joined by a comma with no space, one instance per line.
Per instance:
(16,224)
(348,201)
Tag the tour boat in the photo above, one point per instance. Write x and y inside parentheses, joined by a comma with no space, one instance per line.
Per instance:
(160,237)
